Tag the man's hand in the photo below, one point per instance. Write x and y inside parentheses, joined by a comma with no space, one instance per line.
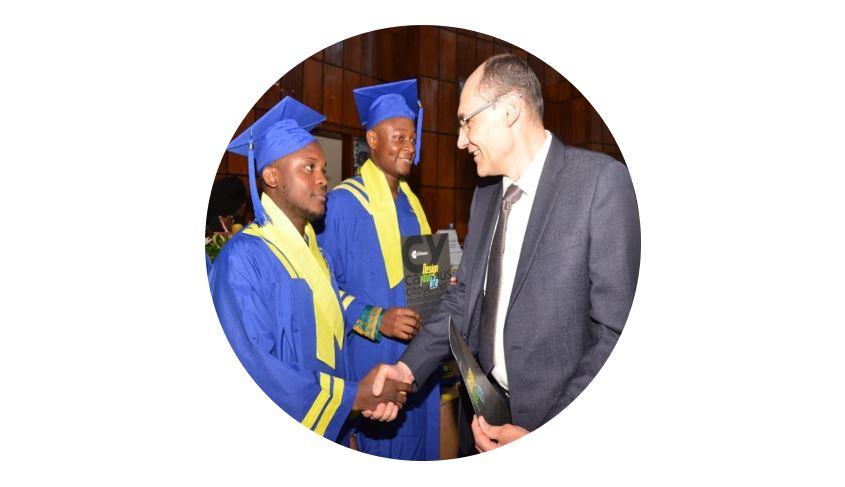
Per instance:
(385,375)
(489,437)
(390,395)
(400,323)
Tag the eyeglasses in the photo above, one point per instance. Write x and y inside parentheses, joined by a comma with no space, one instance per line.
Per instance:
(463,122)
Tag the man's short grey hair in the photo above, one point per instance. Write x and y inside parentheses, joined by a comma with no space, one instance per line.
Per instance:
(504,73)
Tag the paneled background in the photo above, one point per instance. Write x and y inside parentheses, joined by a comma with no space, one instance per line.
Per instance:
(438,57)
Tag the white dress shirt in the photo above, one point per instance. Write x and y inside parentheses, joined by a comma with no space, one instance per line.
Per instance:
(514,235)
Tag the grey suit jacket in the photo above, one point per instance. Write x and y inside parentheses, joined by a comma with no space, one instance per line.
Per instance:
(573,289)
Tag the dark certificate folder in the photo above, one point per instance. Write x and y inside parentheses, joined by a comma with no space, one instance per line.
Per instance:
(486,400)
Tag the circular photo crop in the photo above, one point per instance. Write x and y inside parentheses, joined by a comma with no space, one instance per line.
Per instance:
(422,243)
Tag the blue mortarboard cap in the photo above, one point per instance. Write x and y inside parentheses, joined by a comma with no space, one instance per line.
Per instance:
(389,100)
(281,131)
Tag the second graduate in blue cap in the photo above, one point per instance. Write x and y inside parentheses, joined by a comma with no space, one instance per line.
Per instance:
(366,217)
(278,303)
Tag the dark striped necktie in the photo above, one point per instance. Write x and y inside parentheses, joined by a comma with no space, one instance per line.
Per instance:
(490,305)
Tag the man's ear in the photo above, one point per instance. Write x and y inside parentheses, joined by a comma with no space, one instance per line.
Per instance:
(271,176)
(513,108)
(372,139)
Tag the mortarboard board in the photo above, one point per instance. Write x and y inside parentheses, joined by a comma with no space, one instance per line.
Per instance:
(389,100)
(283,130)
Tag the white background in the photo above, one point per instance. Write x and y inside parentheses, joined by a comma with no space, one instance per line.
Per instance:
(115,370)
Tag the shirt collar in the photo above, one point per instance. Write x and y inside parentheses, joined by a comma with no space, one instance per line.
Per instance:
(530,179)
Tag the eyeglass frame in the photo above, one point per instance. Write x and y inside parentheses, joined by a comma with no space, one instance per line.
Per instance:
(463,122)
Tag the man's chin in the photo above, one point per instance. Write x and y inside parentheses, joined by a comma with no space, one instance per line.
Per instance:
(314,215)
(404,169)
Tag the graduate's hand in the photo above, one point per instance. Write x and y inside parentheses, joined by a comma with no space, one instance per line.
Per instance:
(489,437)
(400,323)
(385,375)
(390,391)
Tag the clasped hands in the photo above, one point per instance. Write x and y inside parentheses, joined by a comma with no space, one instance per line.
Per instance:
(386,382)
(383,391)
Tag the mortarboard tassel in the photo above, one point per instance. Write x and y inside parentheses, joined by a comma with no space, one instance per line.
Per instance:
(260,217)
(419,133)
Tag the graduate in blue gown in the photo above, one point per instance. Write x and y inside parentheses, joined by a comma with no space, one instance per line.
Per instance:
(274,292)
(366,217)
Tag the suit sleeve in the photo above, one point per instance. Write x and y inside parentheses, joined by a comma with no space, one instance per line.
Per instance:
(431,345)
(321,402)
(614,267)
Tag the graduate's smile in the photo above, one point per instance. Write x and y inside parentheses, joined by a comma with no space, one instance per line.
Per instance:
(393,147)
(406,159)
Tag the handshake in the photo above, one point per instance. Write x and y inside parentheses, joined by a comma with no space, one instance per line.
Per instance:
(383,391)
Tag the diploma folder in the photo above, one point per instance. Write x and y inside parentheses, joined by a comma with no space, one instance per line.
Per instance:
(486,400)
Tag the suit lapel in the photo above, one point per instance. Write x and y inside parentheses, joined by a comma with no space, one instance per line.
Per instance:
(544,201)
(480,265)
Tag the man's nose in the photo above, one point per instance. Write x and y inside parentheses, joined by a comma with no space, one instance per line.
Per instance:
(463,140)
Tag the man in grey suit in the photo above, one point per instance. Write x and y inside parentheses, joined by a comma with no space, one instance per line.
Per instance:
(550,260)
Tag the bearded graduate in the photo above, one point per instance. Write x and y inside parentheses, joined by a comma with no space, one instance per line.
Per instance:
(366,218)
(273,290)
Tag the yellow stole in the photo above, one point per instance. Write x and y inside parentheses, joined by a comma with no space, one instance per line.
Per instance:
(383,209)
(304,261)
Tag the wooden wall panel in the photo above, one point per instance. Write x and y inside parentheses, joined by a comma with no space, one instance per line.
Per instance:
(352,54)
(595,124)
(446,160)
(463,200)
(465,172)
(414,178)
(437,57)
(428,160)
(430,204)
(246,122)
(447,108)
(406,54)
(519,53)
(566,91)
(578,121)
(292,82)
(465,55)
(539,68)
(552,117)
(333,94)
(483,50)
(448,55)
(270,97)
(238,164)
(429,55)
(385,67)
(428,97)
(312,84)
(445,209)
(351,80)
(334,54)
(369,48)
(551,86)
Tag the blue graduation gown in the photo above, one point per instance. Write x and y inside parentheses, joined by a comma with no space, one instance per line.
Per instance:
(268,318)
(349,238)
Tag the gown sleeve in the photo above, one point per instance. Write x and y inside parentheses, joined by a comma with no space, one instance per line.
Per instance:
(320,401)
